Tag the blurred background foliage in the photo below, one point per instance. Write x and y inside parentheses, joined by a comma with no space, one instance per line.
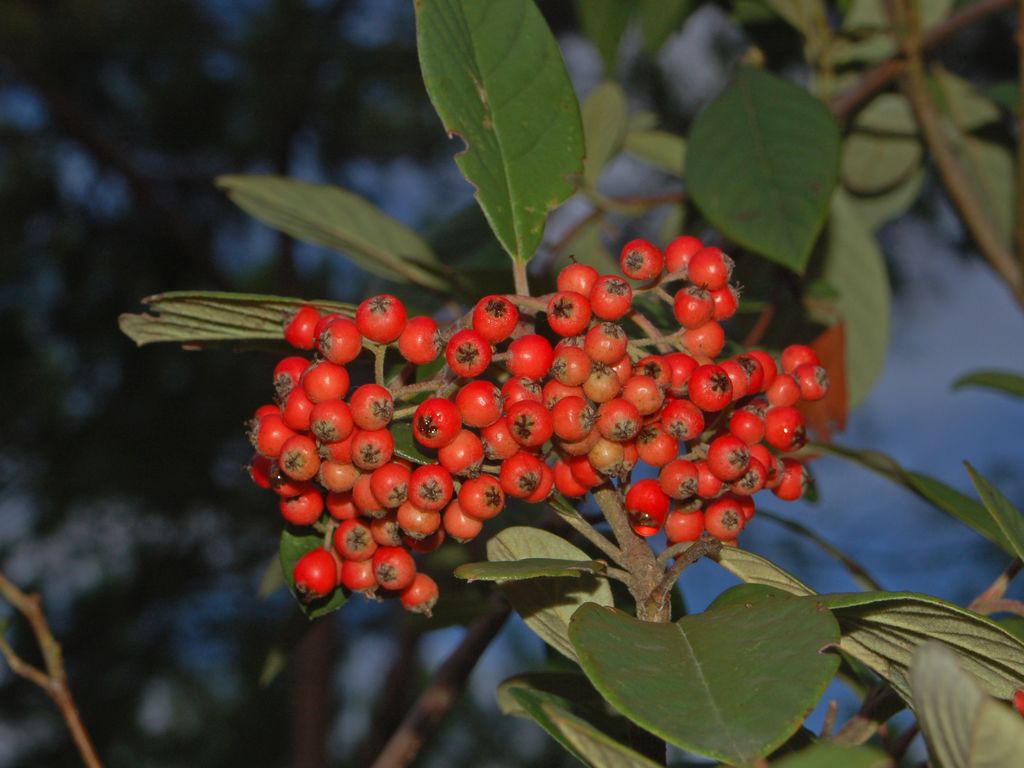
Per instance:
(122,497)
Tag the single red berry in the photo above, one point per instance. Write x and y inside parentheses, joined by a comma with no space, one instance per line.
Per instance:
(726,301)
(679,479)
(494,318)
(364,499)
(357,576)
(583,471)
(297,410)
(259,471)
(530,356)
(518,388)
(417,523)
(684,526)
(1018,700)
(394,567)
(340,506)
(554,391)
(795,481)
(430,487)
(679,252)
(304,508)
(747,506)
(647,507)
(459,525)
(579,447)
(315,575)
(813,381)
(337,477)
(708,483)
(728,457)
(479,403)
(283,485)
(521,475)
(325,381)
(468,353)
(372,448)
(288,375)
(436,422)
(428,543)
(572,418)
(386,531)
(299,328)
(531,423)
(682,419)
(331,421)
(644,393)
(710,388)
(544,487)
(381,318)
(654,366)
(577,277)
(610,298)
(340,341)
(768,367)
(747,426)
(641,260)
(655,446)
(353,539)
(499,444)
(618,420)
(299,458)
(796,355)
(421,595)
(784,429)
(339,450)
(608,457)
(265,410)
(752,480)
(571,365)
(773,465)
(784,390)
(419,342)
(754,369)
(723,518)
(323,322)
(565,483)
(680,367)
(463,455)
(568,313)
(372,406)
(390,484)
(482,497)
(606,343)
(693,306)
(737,377)
(707,340)
(268,434)
(602,384)
(709,267)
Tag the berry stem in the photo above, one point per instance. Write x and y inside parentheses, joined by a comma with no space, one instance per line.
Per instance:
(519,275)
(691,554)
(530,303)
(997,589)
(573,518)
(654,336)
(379,352)
(429,385)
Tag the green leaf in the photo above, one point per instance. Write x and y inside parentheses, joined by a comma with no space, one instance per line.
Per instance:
(966,106)
(604,126)
(944,497)
(406,446)
(871,14)
(546,605)
(883,629)
(832,755)
(604,21)
(883,148)
(497,79)
(527,568)
(660,18)
(762,162)
(1005,515)
(664,150)
(743,594)
(335,218)
(295,542)
(566,706)
(1002,381)
(806,16)
(1014,625)
(757,570)
(854,263)
(962,725)
(879,209)
(196,318)
(732,684)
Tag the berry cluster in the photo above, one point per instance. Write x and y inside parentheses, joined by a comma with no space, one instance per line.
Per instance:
(562,393)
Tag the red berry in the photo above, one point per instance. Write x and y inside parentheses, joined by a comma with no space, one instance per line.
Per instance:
(611,297)
(299,458)
(747,426)
(710,268)
(583,471)
(555,391)
(531,423)
(288,375)
(784,390)
(299,328)
(707,340)
(340,341)
(386,531)
(710,388)
(331,421)
(647,506)
(372,406)
(577,277)
(1018,700)
(726,301)
(259,471)
(390,484)
(269,434)
(530,356)
(684,526)
(283,485)
(795,481)
(304,508)
(571,365)
(796,355)
(463,455)
(618,420)
(357,575)
(519,388)
(340,506)
(605,343)
(724,518)
(568,313)
(737,377)
(421,595)
(655,367)
(494,318)
(325,381)
(353,539)
(754,369)
(680,367)
(482,497)
(641,260)
(381,318)
(655,446)
(521,475)
(693,306)
(813,381)
(728,457)
(479,403)
(752,480)
(708,484)
(436,422)
(608,457)
(770,371)
(428,543)
(430,487)
(499,444)
(572,418)
(393,567)
(784,429)
(468,353)
(679,252)
(297,410)
(362,496)
(544,487)
(339,450)
(419,342)
(682,419)
(603,383)
(372,448)
(417,523)
(459,525)
(315,575)
(565,483)
(679,479)
(337,477)
(644,393)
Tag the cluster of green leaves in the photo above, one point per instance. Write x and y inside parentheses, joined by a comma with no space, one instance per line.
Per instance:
(768,167)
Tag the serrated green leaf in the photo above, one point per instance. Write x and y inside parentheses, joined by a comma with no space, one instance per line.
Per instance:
(854,263)
(294,544)
(883,629)
(962,725)
(528,568)
(604,126)
(732,684)
(546,605)
(335,218)
(826,755)
(747,175)
(1003,381)
(566,706)
(660,18)
(603,22)
(196,318)
(662,149)
(496,78)
(757,570)
(1005,515)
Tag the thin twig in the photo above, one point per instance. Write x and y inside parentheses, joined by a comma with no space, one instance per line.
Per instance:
(54,680)
(997,588)
(699,549)
(587,531)
(830,719)
(1002,605)
(644,323)
(443,691)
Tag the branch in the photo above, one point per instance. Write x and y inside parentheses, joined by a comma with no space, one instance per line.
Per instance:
(54,680)
(686,558)
(442,693)
(997,588)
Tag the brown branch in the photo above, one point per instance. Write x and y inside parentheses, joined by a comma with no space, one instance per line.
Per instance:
(442,693)
(887,72)
(54,680)
(686,558)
